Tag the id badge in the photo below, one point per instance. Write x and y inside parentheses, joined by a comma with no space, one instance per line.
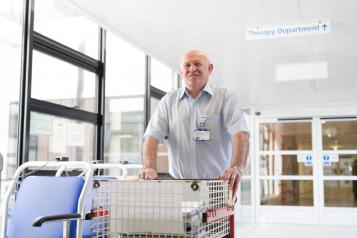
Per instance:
(201,134)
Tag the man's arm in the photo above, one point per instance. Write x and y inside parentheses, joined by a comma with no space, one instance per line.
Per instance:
(240,147)
(240,144)
(149,159)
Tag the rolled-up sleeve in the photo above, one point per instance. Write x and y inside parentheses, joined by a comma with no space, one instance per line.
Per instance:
(158,124)
(233,117)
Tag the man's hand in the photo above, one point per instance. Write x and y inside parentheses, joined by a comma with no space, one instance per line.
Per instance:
(148,174)
(231,175)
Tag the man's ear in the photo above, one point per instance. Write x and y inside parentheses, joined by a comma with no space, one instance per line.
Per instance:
(210,68)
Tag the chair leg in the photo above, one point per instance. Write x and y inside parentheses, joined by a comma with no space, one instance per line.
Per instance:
(66,228)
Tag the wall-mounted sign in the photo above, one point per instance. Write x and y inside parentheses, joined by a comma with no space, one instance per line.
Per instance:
(270,32)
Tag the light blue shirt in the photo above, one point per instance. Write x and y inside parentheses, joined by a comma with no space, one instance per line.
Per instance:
(178,115)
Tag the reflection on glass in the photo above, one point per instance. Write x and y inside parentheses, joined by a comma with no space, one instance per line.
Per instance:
(62,22)
(11,13)
(245,192)
(247,168)
(125,88)
(285,136)
(62,83)
(52,137)
(340,193)
(346,166)
(339,135)
(283,165)
(286,192)
(162,77)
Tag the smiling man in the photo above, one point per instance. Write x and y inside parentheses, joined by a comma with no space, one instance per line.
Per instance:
(206,131)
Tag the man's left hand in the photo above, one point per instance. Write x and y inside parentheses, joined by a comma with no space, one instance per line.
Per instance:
(231,175)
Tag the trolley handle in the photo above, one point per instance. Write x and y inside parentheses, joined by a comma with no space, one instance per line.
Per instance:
(232,199)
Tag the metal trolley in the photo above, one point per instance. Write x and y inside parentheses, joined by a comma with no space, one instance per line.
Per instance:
(108,206)
(163,208)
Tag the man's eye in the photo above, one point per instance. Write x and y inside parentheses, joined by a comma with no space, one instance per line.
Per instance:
(198,64)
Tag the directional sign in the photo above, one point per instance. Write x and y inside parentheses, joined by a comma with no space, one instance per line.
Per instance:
(270,32)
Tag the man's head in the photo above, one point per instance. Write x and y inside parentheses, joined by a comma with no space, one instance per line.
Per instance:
(195,70)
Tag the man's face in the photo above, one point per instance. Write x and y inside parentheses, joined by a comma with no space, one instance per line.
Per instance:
(195,70)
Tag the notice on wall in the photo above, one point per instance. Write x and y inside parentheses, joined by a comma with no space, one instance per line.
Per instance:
(75,134)
(58,140)
(305,29)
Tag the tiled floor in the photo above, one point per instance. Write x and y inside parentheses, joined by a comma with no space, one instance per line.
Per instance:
(294,231)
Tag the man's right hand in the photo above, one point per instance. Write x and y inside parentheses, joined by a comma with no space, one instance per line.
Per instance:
(148,174)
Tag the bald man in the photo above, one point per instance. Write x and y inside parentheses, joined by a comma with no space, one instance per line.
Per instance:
(207,134)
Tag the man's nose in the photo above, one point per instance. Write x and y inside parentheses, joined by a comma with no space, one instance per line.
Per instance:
(192,67)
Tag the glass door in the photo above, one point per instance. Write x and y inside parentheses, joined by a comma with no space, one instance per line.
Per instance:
(338,163)
(285,171)
(306,171)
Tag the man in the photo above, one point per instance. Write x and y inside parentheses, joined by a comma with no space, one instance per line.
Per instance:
(206,131)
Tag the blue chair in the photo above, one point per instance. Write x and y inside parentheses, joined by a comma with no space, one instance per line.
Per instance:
(49,206)
(56,198)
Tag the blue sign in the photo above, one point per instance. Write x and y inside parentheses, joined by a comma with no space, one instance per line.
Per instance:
(326,160)
(308,160)
(268,32)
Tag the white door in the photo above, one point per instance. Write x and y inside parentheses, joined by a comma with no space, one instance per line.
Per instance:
(286,171)
(338,162)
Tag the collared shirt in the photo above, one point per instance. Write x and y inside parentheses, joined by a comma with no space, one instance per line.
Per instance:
(177,117)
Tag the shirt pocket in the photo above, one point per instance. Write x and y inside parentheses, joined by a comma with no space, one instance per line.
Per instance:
(213,124)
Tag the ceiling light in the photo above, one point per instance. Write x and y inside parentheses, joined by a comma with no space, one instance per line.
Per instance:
(301,71)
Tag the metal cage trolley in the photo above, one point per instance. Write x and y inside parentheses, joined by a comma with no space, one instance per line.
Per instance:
(163,208)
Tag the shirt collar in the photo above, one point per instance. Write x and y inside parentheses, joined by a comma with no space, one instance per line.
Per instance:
(207,88)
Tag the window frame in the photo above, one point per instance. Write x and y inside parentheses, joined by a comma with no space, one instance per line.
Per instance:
(32,40)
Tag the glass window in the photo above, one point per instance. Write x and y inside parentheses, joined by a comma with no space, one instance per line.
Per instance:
(125,89)
(285,136)
(340,193)
(11,13)
(283,165)
(247,169)
(339,135)
(62,22)
(52,137)
(62,83)
(346,165)
(162,77)
(245,192)
(286,192)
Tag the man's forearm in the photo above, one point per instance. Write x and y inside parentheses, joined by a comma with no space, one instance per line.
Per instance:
(150,152)
(240,147)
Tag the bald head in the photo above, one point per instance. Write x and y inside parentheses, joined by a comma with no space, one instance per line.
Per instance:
(195,52)
(195,71)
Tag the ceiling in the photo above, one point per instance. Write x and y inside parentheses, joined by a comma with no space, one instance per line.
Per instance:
(165,29)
